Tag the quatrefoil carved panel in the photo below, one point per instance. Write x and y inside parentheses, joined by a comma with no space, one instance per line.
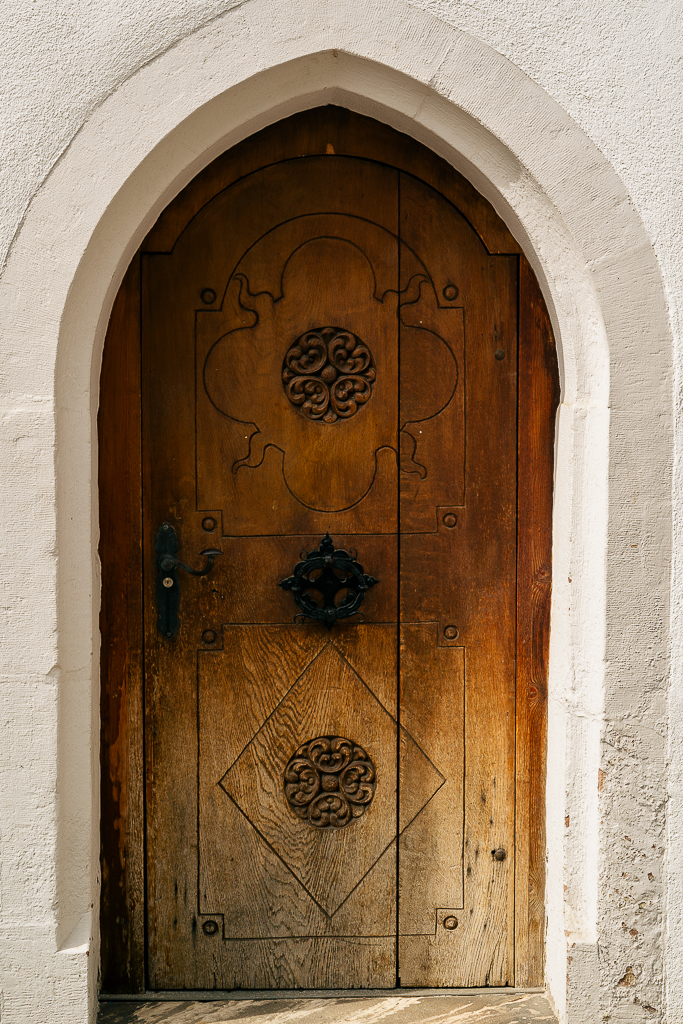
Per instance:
(349,358)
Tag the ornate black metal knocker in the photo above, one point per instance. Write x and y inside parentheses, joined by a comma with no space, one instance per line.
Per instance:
(168,584)
(328,572)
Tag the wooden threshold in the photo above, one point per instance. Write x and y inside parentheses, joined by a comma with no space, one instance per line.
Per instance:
(357,1006)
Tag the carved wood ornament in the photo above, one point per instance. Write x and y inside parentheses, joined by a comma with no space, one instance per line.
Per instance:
(328,374)
(329,782)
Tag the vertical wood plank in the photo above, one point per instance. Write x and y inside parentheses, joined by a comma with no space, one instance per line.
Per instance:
(122,894)
(538,400)
(463,577)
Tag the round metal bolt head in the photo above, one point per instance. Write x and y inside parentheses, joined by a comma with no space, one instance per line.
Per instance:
(207,296)
(500,353)
(499,854)
(209,636)
(450,292)
(450,923)
(449,520)
(451,632)
(208,524)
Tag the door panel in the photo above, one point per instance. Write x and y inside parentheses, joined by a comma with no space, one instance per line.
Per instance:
(328,345)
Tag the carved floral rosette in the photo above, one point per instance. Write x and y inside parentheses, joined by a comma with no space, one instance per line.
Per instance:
(329,782)
(328,373)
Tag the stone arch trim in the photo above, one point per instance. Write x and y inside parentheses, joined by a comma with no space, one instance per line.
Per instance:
(596,265)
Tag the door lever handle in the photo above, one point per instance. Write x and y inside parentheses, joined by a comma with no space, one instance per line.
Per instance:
(168,562)
(168,583)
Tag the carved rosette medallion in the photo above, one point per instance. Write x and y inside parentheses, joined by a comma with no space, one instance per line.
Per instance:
(329,782)
(328,374)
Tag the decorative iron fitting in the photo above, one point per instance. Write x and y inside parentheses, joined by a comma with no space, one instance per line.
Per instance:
(168,582)
(328,572)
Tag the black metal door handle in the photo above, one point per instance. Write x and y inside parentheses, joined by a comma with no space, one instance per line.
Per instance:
(328,571)
(168,583)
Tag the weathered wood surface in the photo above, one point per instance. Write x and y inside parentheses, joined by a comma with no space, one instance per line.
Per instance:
(539,395)
(286,904)
(462,578)
(121,707)
(282,231)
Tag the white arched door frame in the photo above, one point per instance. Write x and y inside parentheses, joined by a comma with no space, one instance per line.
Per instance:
(567,208)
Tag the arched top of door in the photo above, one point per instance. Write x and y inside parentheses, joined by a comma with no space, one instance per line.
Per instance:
(335,131)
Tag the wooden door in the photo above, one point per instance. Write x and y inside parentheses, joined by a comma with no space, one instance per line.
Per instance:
(328,361)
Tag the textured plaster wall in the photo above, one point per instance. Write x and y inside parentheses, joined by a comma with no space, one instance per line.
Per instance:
(615,70)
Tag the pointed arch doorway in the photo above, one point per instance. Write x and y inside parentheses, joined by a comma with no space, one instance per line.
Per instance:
(329,331)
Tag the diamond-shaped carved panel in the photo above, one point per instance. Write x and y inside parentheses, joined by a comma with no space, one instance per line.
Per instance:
(329,699)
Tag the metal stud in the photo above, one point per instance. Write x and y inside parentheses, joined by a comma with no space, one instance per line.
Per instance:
(451,632)
(207,295)
(209,636)
(500,353)
(450,923)
(450,292)
(499,854)
(209,524)
(210,927)
(449,520)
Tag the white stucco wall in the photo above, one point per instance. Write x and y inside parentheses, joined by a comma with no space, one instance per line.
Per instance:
(568,117)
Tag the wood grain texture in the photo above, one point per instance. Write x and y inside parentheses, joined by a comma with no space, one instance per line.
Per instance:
(431,837)
(330,698)
(273,227)
(122,893)
(268,879)
(302,271)
(539,395)
(471,572)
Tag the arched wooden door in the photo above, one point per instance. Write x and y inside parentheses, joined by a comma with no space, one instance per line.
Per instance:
(329,344)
